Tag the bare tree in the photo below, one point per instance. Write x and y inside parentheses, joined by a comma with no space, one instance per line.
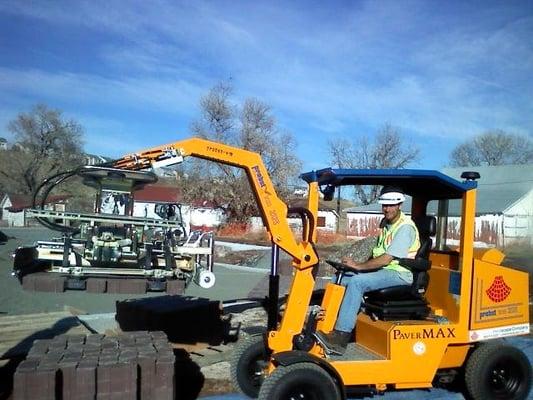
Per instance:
(493,148)
(388,149)
(250,126)
(217,114)
(45,143)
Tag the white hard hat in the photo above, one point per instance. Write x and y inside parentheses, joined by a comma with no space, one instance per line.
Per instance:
(391,198)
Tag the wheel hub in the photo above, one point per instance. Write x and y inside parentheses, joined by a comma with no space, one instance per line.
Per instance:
(503,379)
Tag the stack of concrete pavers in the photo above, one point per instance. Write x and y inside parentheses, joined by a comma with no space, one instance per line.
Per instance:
(52,282)
(204,318)
(134,365)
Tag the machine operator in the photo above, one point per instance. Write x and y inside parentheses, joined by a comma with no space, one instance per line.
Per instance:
(398,239)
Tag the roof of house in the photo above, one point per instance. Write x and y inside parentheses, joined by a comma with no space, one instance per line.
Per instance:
(499,187)
(168,194)
(158,194)
(20,202)
(301,202)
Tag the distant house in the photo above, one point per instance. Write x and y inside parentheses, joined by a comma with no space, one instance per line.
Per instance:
(146,198)
(300,192)
(205,215)
(504,207)
(3,144)
(12,207)
(363,221)
(327,219)
(153,201)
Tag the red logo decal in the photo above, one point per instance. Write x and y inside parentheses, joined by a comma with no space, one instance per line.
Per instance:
(498,290)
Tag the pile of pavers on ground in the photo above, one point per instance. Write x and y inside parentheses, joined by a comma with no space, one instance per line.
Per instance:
(135,365)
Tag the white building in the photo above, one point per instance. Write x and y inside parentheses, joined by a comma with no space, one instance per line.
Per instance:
(153,201)
(504,208)
(12,207)
(8,215)
(327,218)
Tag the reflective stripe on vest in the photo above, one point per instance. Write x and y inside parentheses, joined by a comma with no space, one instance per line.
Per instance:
(387,235)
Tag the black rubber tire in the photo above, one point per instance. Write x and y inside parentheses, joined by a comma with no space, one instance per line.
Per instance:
(302,381)
(247,365)
(497,371)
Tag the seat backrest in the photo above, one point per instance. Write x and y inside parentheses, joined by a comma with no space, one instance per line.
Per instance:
(427,227)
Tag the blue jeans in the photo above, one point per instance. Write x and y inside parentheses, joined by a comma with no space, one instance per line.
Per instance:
(357,284)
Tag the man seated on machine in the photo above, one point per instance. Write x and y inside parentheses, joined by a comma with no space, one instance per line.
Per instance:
(398,239)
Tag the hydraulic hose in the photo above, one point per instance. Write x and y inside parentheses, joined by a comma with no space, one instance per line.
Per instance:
(60,177)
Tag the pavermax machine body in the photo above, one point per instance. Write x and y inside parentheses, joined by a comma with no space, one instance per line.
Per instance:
(447,325)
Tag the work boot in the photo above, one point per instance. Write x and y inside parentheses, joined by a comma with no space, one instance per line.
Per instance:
(334,342)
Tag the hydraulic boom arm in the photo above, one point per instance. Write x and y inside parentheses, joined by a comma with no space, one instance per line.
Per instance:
(273,210)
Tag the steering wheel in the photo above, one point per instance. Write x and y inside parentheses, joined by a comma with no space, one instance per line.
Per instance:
(341,267)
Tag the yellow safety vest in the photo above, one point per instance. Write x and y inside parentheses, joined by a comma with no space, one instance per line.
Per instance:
(387,235)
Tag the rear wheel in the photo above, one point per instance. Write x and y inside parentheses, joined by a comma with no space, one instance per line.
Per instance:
(498,371)
(301,381)
(248,364)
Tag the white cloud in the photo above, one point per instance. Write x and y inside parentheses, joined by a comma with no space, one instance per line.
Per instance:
(431,72)
(169,95)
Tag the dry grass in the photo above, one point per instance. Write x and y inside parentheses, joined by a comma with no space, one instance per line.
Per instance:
(243,232)
(329,238)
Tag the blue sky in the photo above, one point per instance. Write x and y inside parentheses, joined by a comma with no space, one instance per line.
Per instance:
(132,72)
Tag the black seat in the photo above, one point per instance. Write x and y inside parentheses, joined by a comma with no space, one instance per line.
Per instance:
(406,301)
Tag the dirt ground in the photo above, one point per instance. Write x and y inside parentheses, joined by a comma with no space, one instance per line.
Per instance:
(208,372)
(206,368)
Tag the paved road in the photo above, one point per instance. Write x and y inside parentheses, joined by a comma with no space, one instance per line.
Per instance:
(525,343)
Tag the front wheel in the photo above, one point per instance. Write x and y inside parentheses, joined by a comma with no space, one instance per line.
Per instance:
(498,371)
(302,381)
(248,365)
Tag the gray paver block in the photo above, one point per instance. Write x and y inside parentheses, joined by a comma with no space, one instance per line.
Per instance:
(96,285)
(48,282)
(175,287)
(146,373)
(126,286)
(42,384)
(23,378)
(68,376)
(164,379)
